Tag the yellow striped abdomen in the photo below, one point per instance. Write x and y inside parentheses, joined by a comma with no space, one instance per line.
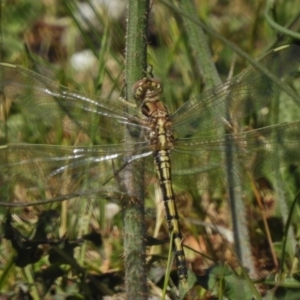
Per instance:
(163,169)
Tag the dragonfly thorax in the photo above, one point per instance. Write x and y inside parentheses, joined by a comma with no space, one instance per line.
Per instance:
(160,134)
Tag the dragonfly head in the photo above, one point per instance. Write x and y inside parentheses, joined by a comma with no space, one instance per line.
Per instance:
(147,88)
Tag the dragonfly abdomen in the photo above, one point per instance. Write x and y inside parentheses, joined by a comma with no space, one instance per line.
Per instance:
(163,168)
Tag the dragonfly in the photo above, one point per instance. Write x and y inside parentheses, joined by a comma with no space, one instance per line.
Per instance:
(183,144)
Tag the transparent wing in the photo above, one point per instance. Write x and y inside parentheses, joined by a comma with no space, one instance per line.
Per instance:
(259,151)
(39,172)
(243,95)
(63,108)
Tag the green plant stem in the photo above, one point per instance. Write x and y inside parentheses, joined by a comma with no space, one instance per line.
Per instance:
(198,43)
(200,48)
(133,205)
(276,26)
(286,234)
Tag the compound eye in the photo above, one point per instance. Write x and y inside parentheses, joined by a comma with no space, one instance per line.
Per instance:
(141,87)
(156,86)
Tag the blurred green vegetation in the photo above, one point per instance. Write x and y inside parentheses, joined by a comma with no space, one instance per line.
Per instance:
(81,45)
